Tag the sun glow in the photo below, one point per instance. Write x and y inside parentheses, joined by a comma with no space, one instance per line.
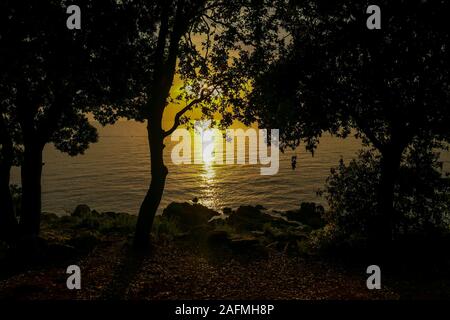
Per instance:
(208,147)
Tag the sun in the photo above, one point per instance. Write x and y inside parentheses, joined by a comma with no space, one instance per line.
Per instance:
(208,146)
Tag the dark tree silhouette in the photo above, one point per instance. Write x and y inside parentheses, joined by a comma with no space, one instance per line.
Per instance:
(172,50)
(8,157)
(122,63)
(327,72)
(51,76)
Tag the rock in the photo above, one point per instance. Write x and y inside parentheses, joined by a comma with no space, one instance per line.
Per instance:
(248,218)
(49,217)
(287,235)
(81,210)
(195,200)
(283,224)
(309,214)
(227,210)
(109,214)
(187,216)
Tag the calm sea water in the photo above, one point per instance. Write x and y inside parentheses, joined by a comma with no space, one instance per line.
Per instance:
(113,175)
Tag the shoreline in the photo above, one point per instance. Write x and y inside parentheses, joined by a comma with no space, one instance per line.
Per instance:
(197,257)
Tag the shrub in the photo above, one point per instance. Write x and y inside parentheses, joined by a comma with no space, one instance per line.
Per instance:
(421,203)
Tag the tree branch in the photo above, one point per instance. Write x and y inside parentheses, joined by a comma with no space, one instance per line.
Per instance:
(178,116)
(368,133)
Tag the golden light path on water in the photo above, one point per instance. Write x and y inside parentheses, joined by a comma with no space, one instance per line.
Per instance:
(208,171)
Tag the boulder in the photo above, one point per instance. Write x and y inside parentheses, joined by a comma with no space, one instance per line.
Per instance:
(110,215)
(218,223)
(49,218)
(81,210)
(248,218)
(309,214)
(187,216)
(286,235)
(227,210)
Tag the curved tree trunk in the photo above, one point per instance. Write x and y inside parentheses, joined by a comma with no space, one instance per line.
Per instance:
(168,40)
(154,194)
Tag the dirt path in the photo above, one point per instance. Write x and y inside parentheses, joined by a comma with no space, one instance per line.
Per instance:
(189,276)
(176,272)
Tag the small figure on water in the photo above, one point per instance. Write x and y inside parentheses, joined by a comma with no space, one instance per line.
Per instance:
(294,162)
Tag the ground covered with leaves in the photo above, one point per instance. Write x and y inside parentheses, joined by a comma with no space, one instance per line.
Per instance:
(262,257)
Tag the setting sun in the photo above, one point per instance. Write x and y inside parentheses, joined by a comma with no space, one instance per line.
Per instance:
(208,146)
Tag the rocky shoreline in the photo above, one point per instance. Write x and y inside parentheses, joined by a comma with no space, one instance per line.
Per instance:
(248,230)
(197,253)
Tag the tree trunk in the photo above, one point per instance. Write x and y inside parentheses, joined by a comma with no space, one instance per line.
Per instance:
(8,222)
(160,90)
(154,194)
(31,191)
(382,225)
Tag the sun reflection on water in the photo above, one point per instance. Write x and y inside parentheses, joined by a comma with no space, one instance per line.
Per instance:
(209,185)
(208,170)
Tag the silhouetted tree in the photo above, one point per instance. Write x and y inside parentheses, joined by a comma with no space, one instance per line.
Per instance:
(173,49)
(327,72)
(421,197)
(51,76)
(8,157)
